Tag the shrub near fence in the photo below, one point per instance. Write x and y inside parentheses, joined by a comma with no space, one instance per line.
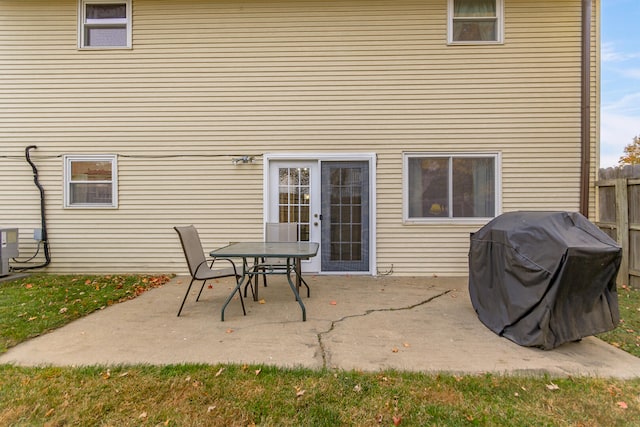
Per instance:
(619,216)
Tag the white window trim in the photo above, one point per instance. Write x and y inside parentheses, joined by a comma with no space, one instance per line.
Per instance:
(98,22)
(91,158)
(450,220)
(499,27)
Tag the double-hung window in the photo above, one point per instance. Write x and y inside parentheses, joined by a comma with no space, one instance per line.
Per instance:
(450,186)
(475,21)
(90,181)
(104,24)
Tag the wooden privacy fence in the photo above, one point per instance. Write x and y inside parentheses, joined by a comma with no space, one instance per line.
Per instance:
(619,217)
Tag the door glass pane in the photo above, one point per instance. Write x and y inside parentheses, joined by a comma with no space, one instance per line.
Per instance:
(345,194)
(294,198)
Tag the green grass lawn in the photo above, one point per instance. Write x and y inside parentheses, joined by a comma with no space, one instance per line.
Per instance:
(233,395)
(627,335)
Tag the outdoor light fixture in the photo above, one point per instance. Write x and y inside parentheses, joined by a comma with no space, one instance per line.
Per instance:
(242,159)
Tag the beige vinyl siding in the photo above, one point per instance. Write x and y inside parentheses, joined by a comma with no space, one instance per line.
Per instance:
(208,80)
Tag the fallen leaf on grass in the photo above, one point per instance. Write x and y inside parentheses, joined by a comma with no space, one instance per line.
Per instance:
(30,319)
(28,285)
(63,310)
(257,371)
(622,405)
(49,412)
(219,372)
(553,386)
(142,415)
(357,388)
(613,390)
(397,420)
(300,392)
(379,418)
(211,408)
(106,375)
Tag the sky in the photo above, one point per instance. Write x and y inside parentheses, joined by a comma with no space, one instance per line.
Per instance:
(620,78)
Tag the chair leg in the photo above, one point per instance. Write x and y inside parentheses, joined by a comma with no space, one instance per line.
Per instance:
(249,284)
(185,296)
(253,294)
(244,312)
(199,293)
(264,276)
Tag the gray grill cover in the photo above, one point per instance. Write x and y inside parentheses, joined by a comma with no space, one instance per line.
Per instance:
(542,279)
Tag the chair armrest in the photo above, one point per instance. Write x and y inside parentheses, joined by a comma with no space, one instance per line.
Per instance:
(213,260)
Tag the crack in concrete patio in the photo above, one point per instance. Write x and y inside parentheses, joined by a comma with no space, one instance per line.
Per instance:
(323,350)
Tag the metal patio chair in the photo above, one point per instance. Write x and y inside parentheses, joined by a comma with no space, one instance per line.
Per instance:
(199,266)
(275,232)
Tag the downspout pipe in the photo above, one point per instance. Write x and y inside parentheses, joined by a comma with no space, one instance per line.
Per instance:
(43,218)
(585,107)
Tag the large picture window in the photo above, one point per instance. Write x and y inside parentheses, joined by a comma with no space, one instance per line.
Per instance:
(90,181)
(459,186)
(475,21)
(104,23)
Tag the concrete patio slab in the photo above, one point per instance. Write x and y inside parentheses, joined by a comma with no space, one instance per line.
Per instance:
(353,322)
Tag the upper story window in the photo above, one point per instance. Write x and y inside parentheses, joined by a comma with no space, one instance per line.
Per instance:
(475,21)
(90,181)
(104,24)
(450,186)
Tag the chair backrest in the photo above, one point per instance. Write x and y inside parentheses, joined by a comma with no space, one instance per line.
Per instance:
(192,247)
(281,232)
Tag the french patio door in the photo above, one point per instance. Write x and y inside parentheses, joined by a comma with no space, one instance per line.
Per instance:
(330,203)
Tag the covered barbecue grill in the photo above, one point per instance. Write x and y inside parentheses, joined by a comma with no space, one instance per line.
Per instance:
(544,278)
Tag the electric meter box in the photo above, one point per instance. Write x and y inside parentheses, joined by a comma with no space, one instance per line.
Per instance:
(8,248)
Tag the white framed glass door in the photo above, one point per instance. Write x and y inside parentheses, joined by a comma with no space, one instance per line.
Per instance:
(294,198)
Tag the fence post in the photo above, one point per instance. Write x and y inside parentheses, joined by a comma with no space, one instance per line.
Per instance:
(622,226)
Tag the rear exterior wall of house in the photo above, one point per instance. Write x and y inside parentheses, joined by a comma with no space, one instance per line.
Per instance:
(207,81)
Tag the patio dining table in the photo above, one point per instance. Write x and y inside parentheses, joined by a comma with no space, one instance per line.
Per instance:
(251,254)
